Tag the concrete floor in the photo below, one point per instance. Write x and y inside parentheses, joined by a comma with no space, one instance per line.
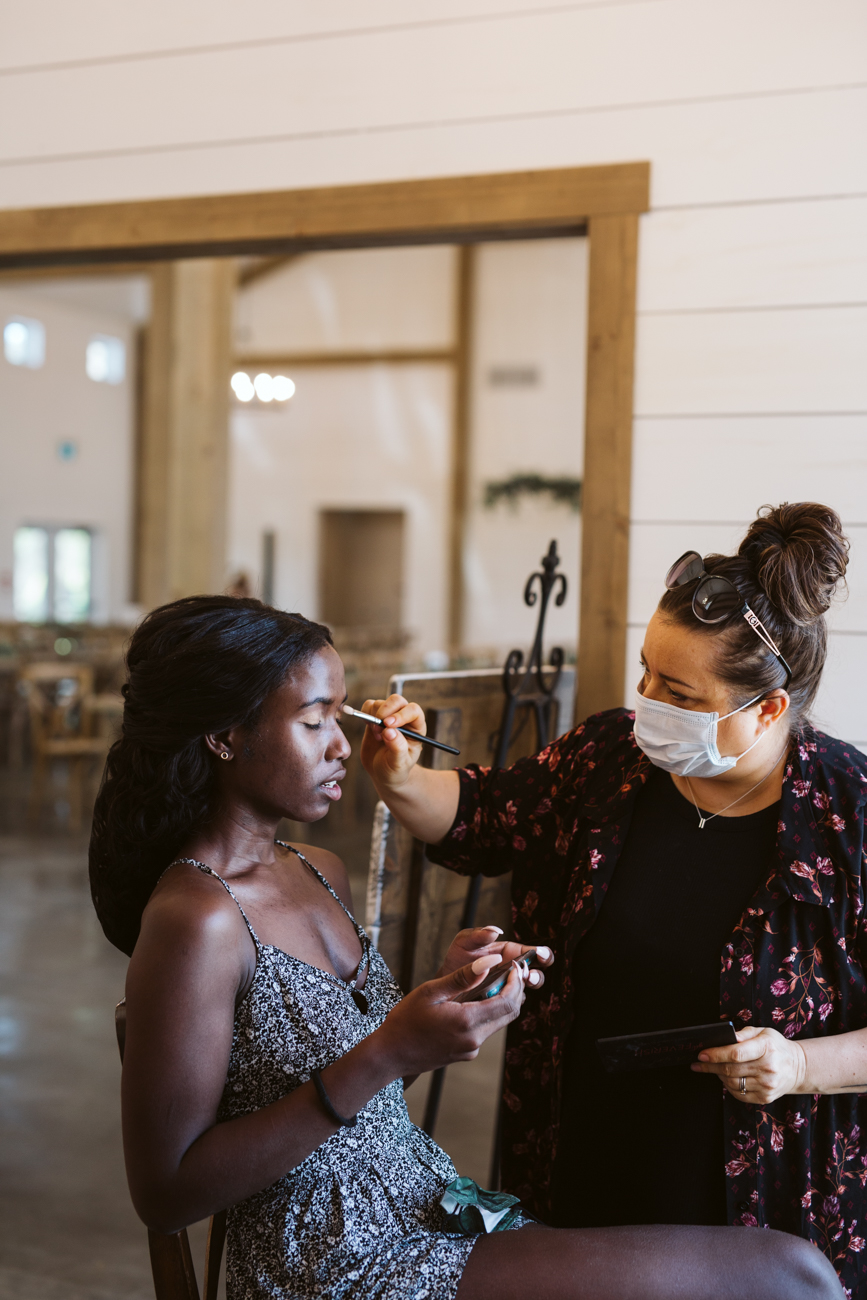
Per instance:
(67,1229)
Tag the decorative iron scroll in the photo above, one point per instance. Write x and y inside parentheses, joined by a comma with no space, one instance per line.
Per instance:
(525,688)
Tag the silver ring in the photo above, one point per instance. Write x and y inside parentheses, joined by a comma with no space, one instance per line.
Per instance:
(743,1085)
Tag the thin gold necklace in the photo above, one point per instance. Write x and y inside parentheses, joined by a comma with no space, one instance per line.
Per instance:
(703,821)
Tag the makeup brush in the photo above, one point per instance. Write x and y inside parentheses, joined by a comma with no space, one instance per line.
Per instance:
(404,731)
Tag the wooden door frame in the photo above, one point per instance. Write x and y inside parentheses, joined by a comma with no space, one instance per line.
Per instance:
(603,202)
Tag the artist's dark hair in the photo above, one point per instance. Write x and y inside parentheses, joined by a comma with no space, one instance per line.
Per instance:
(787,568)
(197,666)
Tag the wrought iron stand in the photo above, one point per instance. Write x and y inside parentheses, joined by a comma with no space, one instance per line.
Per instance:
(529,690)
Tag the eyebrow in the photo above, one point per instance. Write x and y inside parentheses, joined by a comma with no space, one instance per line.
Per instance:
(666,678)
(323,699)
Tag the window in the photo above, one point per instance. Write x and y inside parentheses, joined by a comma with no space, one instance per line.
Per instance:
(52,580)
(24,342)
(105,359)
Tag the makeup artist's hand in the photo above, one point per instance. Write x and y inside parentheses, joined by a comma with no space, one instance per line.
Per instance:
(771,1065)
(387,755)
(468,945)
(423,799)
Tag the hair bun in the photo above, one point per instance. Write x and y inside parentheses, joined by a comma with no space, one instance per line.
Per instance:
(799,555)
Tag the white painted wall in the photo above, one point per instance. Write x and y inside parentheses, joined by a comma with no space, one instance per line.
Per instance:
(378,298)
(752,276)
(370,437)
(379,437)
(531,313)
(40,409)
(352,438)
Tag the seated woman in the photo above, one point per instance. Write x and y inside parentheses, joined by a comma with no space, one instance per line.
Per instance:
(267,1043)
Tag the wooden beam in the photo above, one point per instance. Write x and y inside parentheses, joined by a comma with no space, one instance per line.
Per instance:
(442,209)
(182,489)
(607,463)
(386,356)
(461,434)
(80,271)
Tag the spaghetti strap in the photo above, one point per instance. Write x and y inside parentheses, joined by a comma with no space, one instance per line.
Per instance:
(203,866)
(319,876)
(351,985)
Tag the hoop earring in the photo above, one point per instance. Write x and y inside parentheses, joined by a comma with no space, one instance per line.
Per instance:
(224,753)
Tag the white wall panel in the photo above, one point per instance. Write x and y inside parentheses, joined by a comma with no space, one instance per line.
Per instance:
(849,614)
(726,468)
(776,361)
(742,150)
(45,32)
(841,704)
(579,59)
(755,255)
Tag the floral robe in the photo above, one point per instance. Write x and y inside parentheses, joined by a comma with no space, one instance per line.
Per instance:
(558,821)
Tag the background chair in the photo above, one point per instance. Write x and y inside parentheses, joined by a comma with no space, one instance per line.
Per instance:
(62,726)
(171,1258)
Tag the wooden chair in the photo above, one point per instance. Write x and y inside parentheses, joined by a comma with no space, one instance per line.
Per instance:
(61,727)
(171,1259)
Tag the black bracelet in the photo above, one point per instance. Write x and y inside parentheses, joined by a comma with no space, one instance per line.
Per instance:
(326,1102)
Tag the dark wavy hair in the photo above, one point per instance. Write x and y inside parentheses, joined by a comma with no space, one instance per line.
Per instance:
(788,569)
(199,665)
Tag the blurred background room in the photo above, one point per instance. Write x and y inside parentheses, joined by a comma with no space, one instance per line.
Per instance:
(355,310)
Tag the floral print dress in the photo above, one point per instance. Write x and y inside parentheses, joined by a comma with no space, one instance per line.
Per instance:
(794,961)
(360,1217)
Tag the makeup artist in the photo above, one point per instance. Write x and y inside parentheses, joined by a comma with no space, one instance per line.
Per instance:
(698,859)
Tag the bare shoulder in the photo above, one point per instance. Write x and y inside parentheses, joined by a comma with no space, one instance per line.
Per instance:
(331,867)
(190,916)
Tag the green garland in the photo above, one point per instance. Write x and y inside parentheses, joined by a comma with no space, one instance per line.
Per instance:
(563,490)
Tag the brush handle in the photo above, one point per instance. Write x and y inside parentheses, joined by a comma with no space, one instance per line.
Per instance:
(404,731)
(426,740)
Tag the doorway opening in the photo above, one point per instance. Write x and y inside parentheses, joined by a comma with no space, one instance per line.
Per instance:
(361,567)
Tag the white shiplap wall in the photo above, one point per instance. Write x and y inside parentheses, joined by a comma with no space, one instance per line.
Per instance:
(752,337)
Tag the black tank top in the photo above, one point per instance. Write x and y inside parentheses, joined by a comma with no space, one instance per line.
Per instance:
(647,1147)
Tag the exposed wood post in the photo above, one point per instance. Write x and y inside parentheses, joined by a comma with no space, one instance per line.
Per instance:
(607,463)
(461,430)
(183,453)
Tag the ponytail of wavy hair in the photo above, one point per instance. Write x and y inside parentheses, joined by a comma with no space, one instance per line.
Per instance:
(197,666)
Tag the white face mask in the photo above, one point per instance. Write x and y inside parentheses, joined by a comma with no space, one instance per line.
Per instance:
(681,741)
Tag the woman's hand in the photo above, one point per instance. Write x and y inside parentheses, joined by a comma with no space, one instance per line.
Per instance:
(429,1029)
(422,799)
(387,755)
(771,1065)
(467,945)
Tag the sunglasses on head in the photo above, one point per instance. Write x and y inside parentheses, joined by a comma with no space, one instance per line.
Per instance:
(716,598)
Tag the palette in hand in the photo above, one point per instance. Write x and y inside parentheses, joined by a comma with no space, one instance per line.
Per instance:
(665,1047)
